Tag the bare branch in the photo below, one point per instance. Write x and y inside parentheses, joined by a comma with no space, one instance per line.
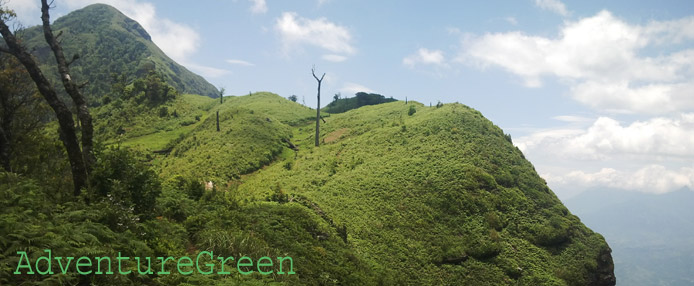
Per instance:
(74,58)
(313,71)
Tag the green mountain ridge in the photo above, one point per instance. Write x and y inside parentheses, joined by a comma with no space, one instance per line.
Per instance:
(396,194)
(427,197)
(109,43)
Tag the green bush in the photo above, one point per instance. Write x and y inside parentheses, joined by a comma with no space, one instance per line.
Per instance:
(121,178)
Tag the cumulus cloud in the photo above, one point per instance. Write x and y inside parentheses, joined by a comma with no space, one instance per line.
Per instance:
(601,59)
(651,179)
(28,11)
(259,7)
(653,155)
(424,57)
(555,6)
(296,31)
(352,88)
(607,138)
(240,62)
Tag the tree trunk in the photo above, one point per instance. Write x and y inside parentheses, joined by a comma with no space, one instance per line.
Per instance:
(313,71)
(63,114)
(217,120)
(5,148)
(71,88)
(5,130)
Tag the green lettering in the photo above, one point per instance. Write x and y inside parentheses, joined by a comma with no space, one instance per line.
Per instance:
(60,264)
(189,264)
(241,264)
(98,265)
(163,261)
(197,263)
(149,266)
(48,271)
(80,264)
(224,260)
(291,265)
(261,264)
(120,259)
(23,255)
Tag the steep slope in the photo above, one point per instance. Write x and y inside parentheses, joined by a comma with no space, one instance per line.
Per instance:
(391,197)
(439,197)
(254,130)
(109,43)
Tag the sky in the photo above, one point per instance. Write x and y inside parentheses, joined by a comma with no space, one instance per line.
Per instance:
(597,94)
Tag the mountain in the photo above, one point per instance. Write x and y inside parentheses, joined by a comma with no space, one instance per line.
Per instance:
(652,236)
(396,194)
(432,197)
(109,43)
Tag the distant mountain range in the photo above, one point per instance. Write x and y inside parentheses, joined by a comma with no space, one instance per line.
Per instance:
(652,236)
(109,43)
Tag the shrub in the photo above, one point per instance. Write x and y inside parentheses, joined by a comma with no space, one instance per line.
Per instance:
(411,111)
(120,177)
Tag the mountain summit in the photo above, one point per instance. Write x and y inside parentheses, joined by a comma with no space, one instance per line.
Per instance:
(109,45)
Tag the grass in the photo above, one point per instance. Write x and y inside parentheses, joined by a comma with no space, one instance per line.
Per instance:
(390,197)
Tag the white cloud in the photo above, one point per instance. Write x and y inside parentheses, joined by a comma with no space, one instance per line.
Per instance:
(352,88)
(208,72)
(653,155)
(259,7)
(296,31)
(606,138)
(28,11)
(240,62)
(651,179)
(511,20)
(600,59)
(555,6)
(334,58)
(425,57)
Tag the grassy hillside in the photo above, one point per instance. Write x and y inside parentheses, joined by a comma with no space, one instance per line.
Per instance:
(112,48)
(396,194)
(435,197)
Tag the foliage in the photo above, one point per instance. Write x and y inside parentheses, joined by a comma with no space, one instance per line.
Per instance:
(123,179)
(440,196)
(110,43)
(340,105)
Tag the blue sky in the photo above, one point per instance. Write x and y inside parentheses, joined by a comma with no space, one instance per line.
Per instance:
(597,94)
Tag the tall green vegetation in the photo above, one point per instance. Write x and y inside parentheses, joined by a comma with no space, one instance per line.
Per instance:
(109,43)
(396,195)
(340,105)
(21,112)
(80,156)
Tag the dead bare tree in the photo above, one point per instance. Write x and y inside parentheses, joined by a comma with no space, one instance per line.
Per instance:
(81,158)
(313,71)
(221,100)
(71,87)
